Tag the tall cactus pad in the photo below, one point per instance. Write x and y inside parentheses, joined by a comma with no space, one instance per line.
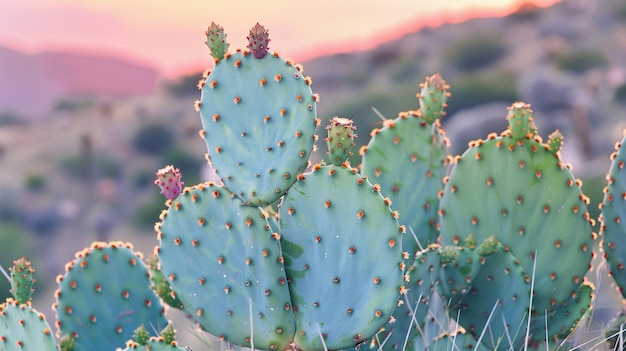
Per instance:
(613,217)
(340,139)
(222,259)
(22,280)
(433,97)
(408,159)
(531,204)
(23,328)
(104,296)
(216,41)
(259,124)
(521,124)
(343,257)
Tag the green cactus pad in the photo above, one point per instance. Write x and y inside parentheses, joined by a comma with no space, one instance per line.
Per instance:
(563,319)
(259,124)
(503,286)
(613,219)
(24,328)
(521,124)
(340,139)
(104,296)
(160,284)
(216,41)
(343,257)
(22,280)
(432,98)
(408,159)
(521,193)
(224,261)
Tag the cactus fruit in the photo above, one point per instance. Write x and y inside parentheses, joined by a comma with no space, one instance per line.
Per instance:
(532,205)
(407,157)
(343,257)
(216,41)
(169,179)
(258,41)
(340,139)
(97,308)
(223,259)
(258,104)
(24,328)
(433,97)
(613,225)
(22,280)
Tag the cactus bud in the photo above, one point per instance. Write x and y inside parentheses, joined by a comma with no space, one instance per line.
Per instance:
(555,141)
(141,335)
(521,124)
(216,41)
(340,139)
(168,334)
(169,179)
(67,343)
(433,98)
(22,280)
(259,40)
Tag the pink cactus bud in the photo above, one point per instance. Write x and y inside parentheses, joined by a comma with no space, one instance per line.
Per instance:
(259,40)
(169,179)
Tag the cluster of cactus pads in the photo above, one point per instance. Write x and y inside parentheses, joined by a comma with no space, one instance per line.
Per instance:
(412,249)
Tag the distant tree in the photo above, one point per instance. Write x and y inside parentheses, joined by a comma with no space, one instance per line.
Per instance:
(153,139)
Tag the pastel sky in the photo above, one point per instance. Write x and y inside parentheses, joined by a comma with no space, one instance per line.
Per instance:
(169,34)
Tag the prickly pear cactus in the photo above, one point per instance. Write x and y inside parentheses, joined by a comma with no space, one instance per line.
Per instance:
(226,264)
(24,328)
(22,280)
(407,157)
(160,284)
(340,139)
(258,118)
(343,257)
(613,218)
(531,204)
(216,41)
(104,296)
(142,341)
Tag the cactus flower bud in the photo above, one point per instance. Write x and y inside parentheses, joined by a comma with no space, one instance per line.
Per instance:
(259,40)
(169,179)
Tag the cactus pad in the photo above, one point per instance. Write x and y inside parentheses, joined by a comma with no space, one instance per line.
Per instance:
(225,263)
(98,308)
(343,257)
(340,139)
(408,159)
(259,124)
(216,41)
(23,328)
(22,280)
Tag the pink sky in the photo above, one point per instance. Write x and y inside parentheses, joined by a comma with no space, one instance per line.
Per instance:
(169,35)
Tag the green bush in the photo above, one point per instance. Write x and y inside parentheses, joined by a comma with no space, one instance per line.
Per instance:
(35,182)
(581,61)
(475,52)
(477,89)
(153,139)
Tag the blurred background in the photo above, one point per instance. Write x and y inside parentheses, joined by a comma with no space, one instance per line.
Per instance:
(95,97)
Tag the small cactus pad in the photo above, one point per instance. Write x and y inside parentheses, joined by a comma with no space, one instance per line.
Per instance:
(216,41)
(23,328)
(407,157)
(258,41)
(340,139)
(169,179)
(22,280)
(531,204)
(225,263)
(432,98)
(555,141)
(104,296)
(142,341)
(259,124)
(160,284)
(613,228)
(521,124)
(343,257)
